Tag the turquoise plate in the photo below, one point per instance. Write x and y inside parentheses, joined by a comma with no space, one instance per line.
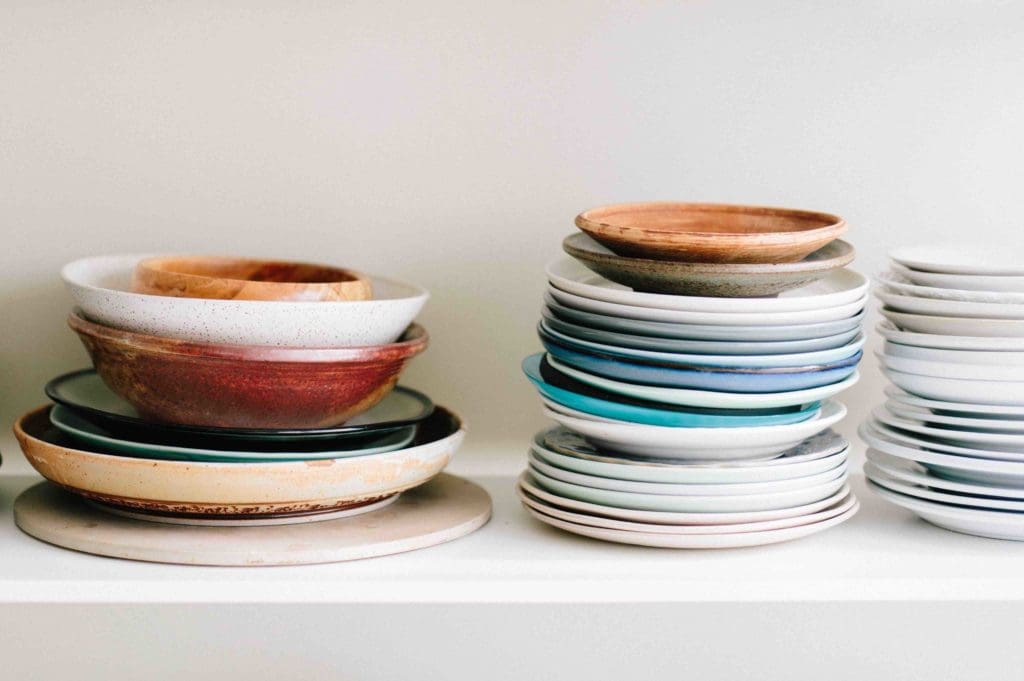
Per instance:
(635,411)
(95,436)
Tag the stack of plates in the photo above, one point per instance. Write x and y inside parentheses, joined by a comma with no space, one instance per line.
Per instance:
(947,444)
(693,420)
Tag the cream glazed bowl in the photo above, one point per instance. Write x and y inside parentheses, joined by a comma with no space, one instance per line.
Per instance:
(101,287)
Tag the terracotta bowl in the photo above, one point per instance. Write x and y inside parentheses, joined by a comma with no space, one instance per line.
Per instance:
(231,386)
(237,490)
(244,279)
(730,280)
(705,232)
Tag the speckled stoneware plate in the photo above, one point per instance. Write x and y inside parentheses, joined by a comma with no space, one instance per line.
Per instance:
(86,392)
(818,279)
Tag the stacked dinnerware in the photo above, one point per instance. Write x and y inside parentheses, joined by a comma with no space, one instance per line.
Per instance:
(949,442)
(229,391)
(691,354)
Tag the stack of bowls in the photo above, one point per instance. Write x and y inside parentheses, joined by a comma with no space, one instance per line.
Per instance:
(691,354)
(238,392)
(948,443)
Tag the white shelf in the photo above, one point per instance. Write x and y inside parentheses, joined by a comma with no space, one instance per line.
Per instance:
(882,554)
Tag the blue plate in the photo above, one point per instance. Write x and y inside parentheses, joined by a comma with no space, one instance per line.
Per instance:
(758,380)
(569,393)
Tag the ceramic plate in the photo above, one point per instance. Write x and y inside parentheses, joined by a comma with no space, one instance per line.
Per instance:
(800,359)
(706,399)
(950,308)
(668,518)
(910,438)
(986,357)
(578,396)
(991,411)
(982,523)
(699,444)
(95,436)
(612,524)
(817,454)
(879,477)
(924,416)
(698,347)
(1002,284)
(814,316)
(950,466)
(769,380)
(958,370)
(690,504)
(955,326)
(538,463)
(982,441)
(838,287)
(955,389)
(898,283)
(916,474)
(933,340)
(962,258)
(715,332)
(85,392)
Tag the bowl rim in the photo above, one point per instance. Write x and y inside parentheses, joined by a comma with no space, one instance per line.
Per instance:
(157,263)
(590,221)
(415,341)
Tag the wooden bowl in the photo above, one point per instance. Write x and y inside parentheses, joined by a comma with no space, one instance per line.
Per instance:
(243,279)
(705,232)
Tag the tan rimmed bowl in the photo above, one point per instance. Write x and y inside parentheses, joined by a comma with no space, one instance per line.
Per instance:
(237,490)
(247,279)
(710,233)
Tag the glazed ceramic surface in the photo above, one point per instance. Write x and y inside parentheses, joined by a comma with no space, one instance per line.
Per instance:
(950,342)
(955,326)
(706,398)
(581,397)
(697,347)
(246,279)
(703,232)
(968,282)
(801,359)
(565,449)
(901,284)
(962,258)
(699,445)
(85,392)
(999,441)
(983,523)
(101,287)
(924,416)
(726,280)
(224,386)
(236,489)
(712,332)
(959,357)
(881,478)
(756,319)
(911,473)
(839,287)
(94,436)
(959,390)
(959,370)
(950,308)
(909,438)
(990,411)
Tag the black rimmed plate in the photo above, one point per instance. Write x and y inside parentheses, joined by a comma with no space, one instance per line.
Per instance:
(86,393)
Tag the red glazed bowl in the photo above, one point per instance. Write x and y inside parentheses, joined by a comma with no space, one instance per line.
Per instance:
(243,386)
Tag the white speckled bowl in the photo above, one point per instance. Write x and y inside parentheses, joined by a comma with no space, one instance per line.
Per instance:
(101,287)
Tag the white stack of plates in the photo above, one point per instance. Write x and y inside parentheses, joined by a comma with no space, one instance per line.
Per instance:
(949,443)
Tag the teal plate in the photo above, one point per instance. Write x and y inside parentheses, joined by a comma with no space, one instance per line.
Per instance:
(95,436)
(582,398)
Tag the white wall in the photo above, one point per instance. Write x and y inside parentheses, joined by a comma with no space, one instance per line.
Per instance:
(451,143)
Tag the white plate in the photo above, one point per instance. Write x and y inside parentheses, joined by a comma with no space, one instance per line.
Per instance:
(684,397)
(988,357)
(909,438)
(950,308)
(929,436)
(950,342)
(757,319)
(800,359)
(966,282)
(879,477)
(700,444)
(698,541)
(958,370)
(818,454)
(925,416)
(667,518)
(991,411)
(950,466)
(915,474)
(839,287)
(955,326)
(538,463)
(610,523)
(955,389)
(898,283)
(969,258)
(992,524)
